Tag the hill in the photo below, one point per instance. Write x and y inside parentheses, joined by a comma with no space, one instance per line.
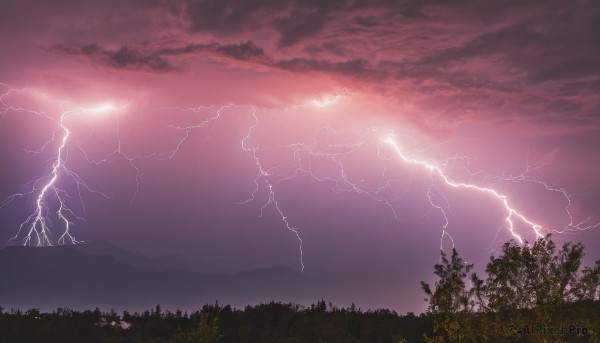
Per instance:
(81,277)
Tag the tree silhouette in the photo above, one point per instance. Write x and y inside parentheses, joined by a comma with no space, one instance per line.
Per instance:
(449,295)
(536,284)
(206,332)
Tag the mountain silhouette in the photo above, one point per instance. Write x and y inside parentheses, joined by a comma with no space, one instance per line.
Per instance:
(84,277)
(176,261)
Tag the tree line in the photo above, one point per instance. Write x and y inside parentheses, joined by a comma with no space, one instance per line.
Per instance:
(270,322)
(532,293)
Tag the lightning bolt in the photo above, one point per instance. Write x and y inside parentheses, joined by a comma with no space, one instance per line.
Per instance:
(512,214)
(262,178)
(436,172)
(304,155)
(36,227)
(327,144)
(263,175)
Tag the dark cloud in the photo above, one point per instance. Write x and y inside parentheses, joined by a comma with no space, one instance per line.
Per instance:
(36,15)
(357,68)
(226,16)
(367,21)
(126,57)
(500,41)
(242,51)
(303,19)
(335,48)
(461,60)
(298,25)
(154,58)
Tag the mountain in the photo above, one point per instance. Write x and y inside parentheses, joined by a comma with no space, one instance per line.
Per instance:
(65,276)
(138,259)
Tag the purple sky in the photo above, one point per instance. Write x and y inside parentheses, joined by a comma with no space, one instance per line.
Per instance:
(497,94)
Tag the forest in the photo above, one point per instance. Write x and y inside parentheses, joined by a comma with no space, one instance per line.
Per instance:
(532,293)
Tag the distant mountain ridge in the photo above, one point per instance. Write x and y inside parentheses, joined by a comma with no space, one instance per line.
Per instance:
(138,259)
(105,275)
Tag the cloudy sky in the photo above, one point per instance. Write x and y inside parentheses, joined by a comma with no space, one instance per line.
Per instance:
(257,133)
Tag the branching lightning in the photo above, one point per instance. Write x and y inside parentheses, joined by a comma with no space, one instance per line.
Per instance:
(304,154)
(325,145)
(37,226)
(512,214)
(263,175)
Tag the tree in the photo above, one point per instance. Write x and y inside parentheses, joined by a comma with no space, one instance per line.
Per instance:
(450,302)
(450,294)
(588,284)
(206,332)
(157,313)
(526,277)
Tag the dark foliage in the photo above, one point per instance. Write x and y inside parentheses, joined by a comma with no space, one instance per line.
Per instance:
(272,322)
(533,293)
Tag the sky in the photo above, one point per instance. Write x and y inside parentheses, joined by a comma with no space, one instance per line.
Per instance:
(335,138)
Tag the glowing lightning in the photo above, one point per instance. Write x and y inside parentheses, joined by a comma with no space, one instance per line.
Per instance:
(263,174)
(328,145)
(512,213)
(326,100)
(267,177)
(37,225)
